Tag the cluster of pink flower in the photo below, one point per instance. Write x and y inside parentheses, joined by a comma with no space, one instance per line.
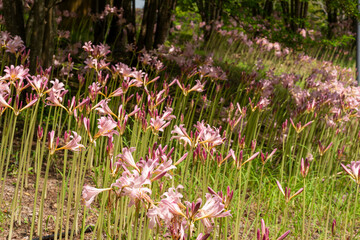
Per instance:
(12,44)
(190,62)
(136,180)
(206,137)
(328,87)
(132,183)
(180,218)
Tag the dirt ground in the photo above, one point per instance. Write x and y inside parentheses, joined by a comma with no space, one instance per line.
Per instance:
(22,230)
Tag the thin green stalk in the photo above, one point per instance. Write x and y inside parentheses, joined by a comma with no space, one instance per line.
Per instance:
(352,232)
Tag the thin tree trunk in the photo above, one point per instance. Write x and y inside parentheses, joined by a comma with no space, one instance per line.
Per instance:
(304,11)
(331,18)
(150,26)
(163,21)
(37,35)
(97,6)
(285,9)
(123,34)
(49,34)
(141,39)
(14,18)
(130,16)
(43,30)
(210,12)
(268,8)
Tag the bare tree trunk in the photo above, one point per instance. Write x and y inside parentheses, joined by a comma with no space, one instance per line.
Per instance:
(285,9)
(49,34)
(129,15)
(132,27)
(43,30)
(210,12)
(331,18)
(37,33)
(146,37)
(295,13)
(163,21)
(122,33)
(304,12)
(268,8)
(14,18)
(97,6)
(150,26)
(141,39)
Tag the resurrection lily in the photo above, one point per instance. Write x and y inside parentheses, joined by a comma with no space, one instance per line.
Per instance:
(264,233)
(287,192)
(353,169)
(89,193)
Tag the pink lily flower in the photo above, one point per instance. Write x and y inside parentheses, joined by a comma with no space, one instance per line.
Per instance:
(132,185)
(73,144)
(103,108)
(127,157)
(14,73)
(213,208)
(158,124)
(353,169)
(181,134)
(89,193)
(106,126)
(39,84)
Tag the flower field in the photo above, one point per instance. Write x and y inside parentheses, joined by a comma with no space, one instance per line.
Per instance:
(231,138)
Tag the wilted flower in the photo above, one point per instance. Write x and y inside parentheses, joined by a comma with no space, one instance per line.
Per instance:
(322,149)
(265,157)
(287,192)
(304,167)
(298,127)
(264,233)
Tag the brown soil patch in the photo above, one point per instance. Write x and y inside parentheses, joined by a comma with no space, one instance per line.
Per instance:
(22,227)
